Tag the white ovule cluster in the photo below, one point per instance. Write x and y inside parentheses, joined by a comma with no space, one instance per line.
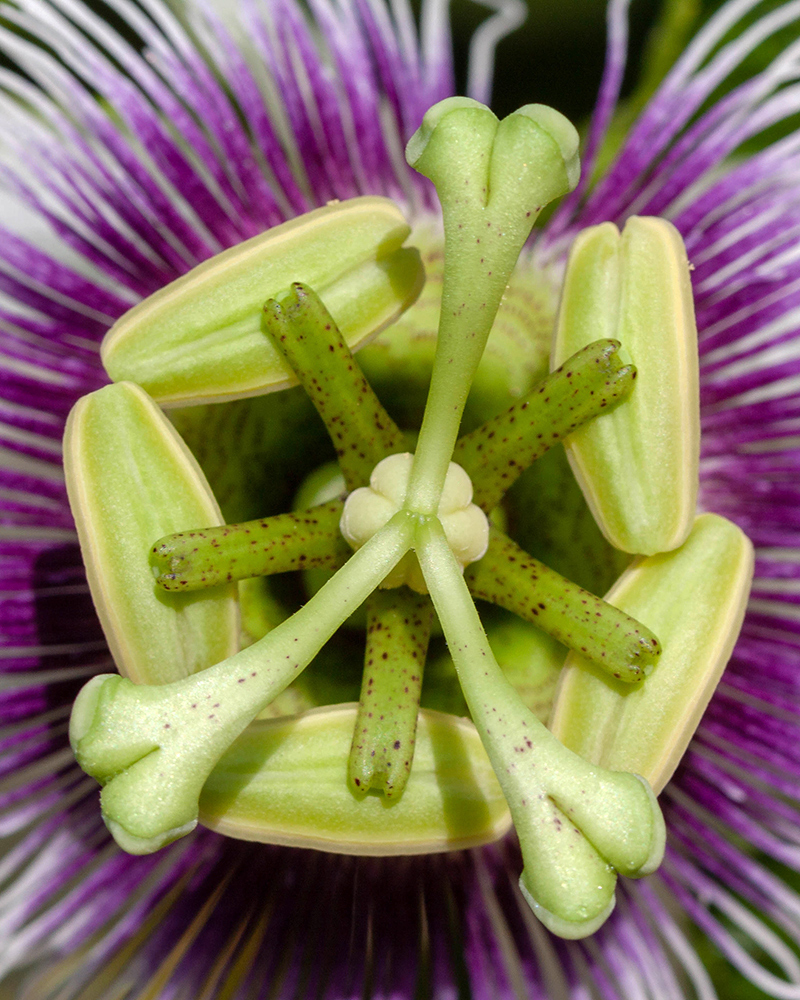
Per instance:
(368,508)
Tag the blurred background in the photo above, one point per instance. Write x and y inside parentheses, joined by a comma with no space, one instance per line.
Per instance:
(556,57)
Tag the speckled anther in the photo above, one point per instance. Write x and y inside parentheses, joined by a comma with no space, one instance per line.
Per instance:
(367,509)
(360,429)
(592,382)
(616,643)
(194,560)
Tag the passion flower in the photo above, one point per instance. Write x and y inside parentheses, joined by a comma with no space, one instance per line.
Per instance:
(139,161)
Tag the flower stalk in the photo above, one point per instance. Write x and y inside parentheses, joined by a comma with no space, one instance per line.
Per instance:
(153,746)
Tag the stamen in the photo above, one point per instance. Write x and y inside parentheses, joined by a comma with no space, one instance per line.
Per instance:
(200,338)
(638,466)
(509,577)
(283,782)
(194,560)
(307,337)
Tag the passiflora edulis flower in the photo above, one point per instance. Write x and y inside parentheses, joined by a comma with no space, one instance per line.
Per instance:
(223,205)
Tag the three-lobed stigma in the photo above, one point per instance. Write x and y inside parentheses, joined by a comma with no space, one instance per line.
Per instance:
(368,508)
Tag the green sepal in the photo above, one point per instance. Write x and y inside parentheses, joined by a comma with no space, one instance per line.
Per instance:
(200,338)
(695,598)
(285,782)
(130,478)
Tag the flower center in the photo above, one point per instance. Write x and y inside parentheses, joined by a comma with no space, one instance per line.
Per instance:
(268,454)
(416,522)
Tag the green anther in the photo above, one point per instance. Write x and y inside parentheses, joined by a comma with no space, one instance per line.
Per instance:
(695,598)
(130,478)
(152,747)
(638,466)
(398,628)
(492,178)
(615,642)
(577,822)
(200,338)
(205,557)
(361,430)
(592,382)
(285,782)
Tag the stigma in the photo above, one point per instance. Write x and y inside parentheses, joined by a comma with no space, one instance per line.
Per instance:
(368,508)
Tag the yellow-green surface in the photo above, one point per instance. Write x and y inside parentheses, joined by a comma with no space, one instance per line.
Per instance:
(285,781)
(131,480)
(200,338)
(638,465)
(694,600)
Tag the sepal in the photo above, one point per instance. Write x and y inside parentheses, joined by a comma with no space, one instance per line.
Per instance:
(638,465)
